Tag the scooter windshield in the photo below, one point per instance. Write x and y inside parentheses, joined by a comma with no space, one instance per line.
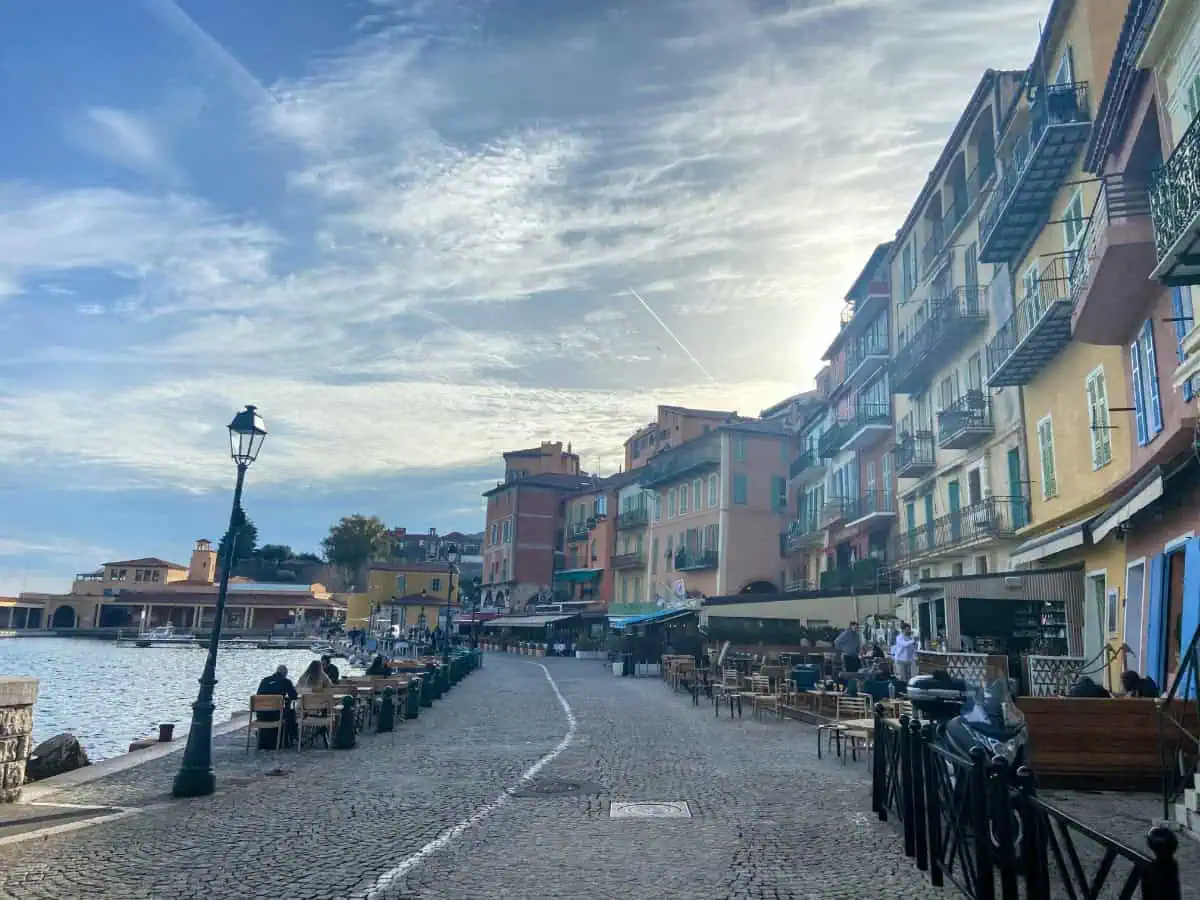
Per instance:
(990,709)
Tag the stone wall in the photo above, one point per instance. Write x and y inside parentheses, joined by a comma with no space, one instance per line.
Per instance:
(17,697)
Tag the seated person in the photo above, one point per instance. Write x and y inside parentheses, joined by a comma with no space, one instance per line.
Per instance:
(330,669)
(378,666)
(314,680)
(1137,686)
(1087,688)
(277,683)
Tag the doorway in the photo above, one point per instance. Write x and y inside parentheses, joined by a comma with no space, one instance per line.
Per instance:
(954,491)
(1014,488)
(64,617)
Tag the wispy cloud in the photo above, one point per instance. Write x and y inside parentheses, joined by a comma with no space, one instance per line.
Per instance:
(126,139)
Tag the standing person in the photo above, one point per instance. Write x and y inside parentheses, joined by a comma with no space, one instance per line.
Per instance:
(904,654)
(848,643)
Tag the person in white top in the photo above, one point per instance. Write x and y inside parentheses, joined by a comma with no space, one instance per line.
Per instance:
(904,654)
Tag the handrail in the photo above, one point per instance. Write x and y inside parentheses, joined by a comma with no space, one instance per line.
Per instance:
(1188,676)
(1175,191)
(1119,199)
(1052,285)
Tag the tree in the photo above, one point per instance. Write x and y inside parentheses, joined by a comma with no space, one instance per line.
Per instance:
(274,554)
(247,540)
(355,541)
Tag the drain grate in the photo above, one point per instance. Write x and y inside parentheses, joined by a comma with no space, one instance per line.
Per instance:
(555,787)
(663,809)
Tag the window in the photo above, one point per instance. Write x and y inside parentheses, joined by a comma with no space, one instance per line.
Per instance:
(697,494)
(1098,419)
(1143,365)
(506,529)
(975,373)
(683,500)
(601,505)
(886,487)
(671,494)
(670,554)
(713,481)
(778,493)
(401,581)
(495,532)
(981,565)
(637,588)
(1030,288)
(956,570)
(1181,305)
(739,489)
(435,584)
(653,556)
(1110,610)
(1045,434)
(739,447)
(1073,221)
(712,536)
(1065,73)
(657,507)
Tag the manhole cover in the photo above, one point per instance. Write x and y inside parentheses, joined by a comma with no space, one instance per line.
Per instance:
(555,787)
(663,809)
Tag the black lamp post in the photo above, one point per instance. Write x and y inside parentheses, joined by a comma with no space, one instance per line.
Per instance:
(451,560)
(196,778)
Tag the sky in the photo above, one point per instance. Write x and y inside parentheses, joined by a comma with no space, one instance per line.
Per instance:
(416,233)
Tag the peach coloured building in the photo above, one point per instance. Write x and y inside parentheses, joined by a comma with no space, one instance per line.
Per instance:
(673,426)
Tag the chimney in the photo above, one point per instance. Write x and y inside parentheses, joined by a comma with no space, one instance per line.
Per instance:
(203,566)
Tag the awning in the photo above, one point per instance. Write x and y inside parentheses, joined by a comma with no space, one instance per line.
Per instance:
(527,621)
(1061,539)
(1141,495)
(577,575)
(661,615)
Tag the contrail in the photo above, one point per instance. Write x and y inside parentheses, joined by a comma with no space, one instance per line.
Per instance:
(174,17)
(690,355)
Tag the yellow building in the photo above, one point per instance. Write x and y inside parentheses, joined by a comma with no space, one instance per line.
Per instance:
(416,590)
(1037,224)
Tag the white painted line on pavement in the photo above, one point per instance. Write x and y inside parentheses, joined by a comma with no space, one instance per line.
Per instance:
(451,834)
(76,825)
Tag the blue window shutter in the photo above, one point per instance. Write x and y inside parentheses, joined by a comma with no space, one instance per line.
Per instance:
(1139,393)
(1154,418)
(1156,634)
(1181,305)
(1191,609)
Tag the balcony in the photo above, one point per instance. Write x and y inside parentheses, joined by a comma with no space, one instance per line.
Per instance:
(692,561)
(577,531)
(966,422)
(804,532)
(638,517)
(1035,333)
(832,513)
(1111,277)
(872,423)
(935,253)
(872,510)
(1059,125)
(935,335)
(1175,211)
(807,467)
(831,441)
(914,455)
(674,466)
(870,575)
(959,531)
(628,561)
(864,359)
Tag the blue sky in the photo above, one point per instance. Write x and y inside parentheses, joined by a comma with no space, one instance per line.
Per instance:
(410,233)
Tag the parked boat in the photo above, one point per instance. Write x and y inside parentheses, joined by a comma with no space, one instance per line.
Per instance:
(163,636)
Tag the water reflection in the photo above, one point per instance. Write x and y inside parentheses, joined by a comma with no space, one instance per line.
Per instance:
(108,696)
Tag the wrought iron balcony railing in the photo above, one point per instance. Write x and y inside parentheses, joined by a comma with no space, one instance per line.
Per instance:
(933,249)
(807,459)
(914,455)
(629,561)
(1175,200)
(831,441)
(577,531)
(833,512)
(872,503)
(1037,329)
(868,575)
(804,531)
(690,560)
(935,334)
(633,518)
(990,519)
(965,422)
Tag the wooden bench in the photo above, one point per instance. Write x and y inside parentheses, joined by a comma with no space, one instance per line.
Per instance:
(1098,744)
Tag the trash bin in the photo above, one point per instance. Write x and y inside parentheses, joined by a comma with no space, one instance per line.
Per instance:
(627,668)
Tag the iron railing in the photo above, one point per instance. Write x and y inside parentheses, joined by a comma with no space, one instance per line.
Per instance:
(871,503)
(989,519)
(832,512)
(1175,192)
(981,825)
(577,531)
(633,518)
(636,560)
(1179,727)
(1055,104)
(934,318)
(806,460)
(868,575)
(869,345)
(801,532)
(866,414)
(831,441)
(1053,285)
(971,411)
(914,451)
(933,248)
(687,560)
(1119,199)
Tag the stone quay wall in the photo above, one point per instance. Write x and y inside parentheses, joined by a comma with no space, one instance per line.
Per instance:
(17,697)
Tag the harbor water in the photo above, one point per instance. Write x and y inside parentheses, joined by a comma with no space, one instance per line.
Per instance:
(108,695)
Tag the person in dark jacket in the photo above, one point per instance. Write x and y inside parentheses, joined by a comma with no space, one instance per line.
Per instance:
(849,643)
(1087,688)
(330,669)
(277,683)
(378,666)
(1137,686)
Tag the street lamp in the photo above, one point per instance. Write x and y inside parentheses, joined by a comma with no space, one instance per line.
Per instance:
(451,560)
(196,778)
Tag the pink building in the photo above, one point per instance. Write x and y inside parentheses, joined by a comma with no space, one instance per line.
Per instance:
(719,504)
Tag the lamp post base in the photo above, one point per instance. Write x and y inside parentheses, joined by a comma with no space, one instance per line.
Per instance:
(196,777)
(194,783)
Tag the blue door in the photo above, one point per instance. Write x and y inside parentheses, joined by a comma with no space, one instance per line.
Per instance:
(929,526)
(1156,632)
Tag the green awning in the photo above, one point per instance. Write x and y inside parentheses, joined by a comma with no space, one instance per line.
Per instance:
(574,576)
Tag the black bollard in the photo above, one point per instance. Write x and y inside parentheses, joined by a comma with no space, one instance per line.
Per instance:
(879,767)
(1165,871)
(387,712)
(906,796)
(1001,815)
(345,736)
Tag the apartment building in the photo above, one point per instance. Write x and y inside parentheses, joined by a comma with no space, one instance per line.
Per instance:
(630,559)
(1035,222)
(718,505)
(803,542)
(587,570)
(672,426)
(859,507)
(958,455)
(524,524)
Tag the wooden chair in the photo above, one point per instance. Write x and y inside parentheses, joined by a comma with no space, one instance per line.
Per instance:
(846,708)
(315,712)
(728,690)
(266,703)
(760,694)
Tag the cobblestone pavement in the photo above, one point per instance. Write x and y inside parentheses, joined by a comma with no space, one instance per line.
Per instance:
(769,819)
